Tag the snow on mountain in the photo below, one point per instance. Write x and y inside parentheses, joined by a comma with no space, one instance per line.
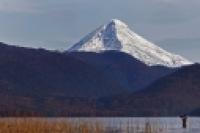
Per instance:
(116,35)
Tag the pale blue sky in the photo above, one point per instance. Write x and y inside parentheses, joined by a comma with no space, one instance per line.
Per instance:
(57,24)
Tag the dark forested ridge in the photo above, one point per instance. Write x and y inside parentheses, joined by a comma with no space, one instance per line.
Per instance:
(123,68)
(38,82)
(41,73)
(172,95)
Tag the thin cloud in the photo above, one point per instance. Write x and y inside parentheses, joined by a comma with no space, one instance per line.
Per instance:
(18,6)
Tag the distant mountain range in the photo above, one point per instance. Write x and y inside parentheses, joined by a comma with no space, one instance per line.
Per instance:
(40,74)
(112,72)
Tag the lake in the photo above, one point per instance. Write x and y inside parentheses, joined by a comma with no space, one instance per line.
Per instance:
(131,125)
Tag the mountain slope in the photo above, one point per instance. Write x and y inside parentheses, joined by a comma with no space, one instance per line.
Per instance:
(48,83)
(116,35)
(42,73)
(123,68)
(172,95)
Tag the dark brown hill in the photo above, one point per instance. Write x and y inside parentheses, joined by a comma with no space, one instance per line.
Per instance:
(50,83)
(172,95)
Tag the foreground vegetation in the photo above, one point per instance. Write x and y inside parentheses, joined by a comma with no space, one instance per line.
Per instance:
(34,125)
(47,126)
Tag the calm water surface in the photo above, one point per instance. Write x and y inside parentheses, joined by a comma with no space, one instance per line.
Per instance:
(162,125)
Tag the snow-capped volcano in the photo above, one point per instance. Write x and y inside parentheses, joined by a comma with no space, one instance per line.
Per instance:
(116,35)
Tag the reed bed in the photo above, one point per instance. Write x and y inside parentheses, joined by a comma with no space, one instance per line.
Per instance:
(45,126)
(28,125)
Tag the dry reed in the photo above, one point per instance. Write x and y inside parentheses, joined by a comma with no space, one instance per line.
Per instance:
(28,125)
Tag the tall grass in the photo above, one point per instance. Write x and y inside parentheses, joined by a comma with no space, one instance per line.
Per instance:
(28,125)
(45,126)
